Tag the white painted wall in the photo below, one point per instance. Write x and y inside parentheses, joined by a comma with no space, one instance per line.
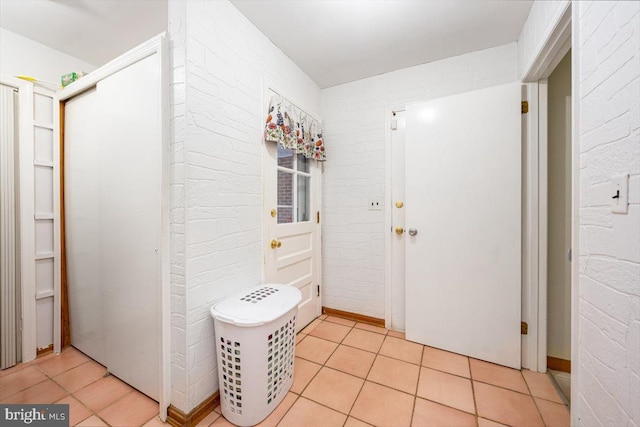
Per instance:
(354,113)
(608,90)
(221,62)
(22,56)
(543,17)
(606,74)
(559,211)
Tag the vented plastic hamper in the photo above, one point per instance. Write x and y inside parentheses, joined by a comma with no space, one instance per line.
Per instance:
(255,341)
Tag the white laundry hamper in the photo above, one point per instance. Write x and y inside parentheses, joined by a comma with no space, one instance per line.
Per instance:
(255,333)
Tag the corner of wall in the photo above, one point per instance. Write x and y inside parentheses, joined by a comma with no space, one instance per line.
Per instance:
(177,48)
(220,63)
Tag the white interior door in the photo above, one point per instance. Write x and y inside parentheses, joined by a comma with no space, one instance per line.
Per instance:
(113,208)
(463,198)
(292,239)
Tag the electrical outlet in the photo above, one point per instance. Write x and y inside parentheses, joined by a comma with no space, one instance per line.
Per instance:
(620,194)
(375,205)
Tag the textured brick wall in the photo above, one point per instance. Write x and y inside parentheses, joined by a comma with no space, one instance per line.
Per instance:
(177,26)
(606,48)
(221,63)
(609,136)
(354,118)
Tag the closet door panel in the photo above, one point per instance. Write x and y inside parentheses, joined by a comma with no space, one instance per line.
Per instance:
(82,225)
(130,200)
(113,202)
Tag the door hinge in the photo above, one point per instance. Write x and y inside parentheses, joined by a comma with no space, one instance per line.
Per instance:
(524,328)
(318,290)
(524,109)
(318,217)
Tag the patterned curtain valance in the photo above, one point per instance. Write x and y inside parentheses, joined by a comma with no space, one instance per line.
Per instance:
(293,129)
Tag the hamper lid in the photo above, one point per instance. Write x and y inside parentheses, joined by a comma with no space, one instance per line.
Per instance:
(258,305)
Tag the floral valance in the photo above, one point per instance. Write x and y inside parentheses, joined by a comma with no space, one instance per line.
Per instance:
(293,129)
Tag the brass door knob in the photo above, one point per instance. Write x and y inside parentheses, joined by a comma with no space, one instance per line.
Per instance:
(399,204)
(275,244)
(399,230)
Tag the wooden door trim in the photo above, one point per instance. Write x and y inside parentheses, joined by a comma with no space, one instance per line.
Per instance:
(65,329)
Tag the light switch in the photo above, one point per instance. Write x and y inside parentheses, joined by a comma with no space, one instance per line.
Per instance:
(620,194)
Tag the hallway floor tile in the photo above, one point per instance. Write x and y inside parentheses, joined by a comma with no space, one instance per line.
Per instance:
(346,374)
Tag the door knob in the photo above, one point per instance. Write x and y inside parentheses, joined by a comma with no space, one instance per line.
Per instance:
(399,230)
(413,232)
(275,244)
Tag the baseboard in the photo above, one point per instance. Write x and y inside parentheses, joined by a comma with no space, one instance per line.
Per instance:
(44,351)
(177,418)
(353,316)
(557,364)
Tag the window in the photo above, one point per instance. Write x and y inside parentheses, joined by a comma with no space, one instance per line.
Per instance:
(294,187)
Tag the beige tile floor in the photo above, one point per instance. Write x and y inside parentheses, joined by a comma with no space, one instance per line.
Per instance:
(346,374)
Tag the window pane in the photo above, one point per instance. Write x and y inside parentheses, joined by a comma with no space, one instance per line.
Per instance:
(285,158)
(303,163)
(304,198)
(285,215)
(285,197)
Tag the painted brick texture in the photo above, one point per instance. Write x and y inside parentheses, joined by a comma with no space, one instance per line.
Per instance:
(609,136)
(221,65)
(354,117)
(177,22)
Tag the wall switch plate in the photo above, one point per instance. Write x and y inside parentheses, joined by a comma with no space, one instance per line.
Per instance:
(620,194)
(375,205)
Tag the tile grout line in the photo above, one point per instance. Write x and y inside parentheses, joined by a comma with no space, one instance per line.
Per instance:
(322,365)
(532,398)
(72,394)
(415,396)
(473,392)
(364,380)
(285,412)
(26,388)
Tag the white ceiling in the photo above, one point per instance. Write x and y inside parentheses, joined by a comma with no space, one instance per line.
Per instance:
(95,31)
(337,41)
(333,41)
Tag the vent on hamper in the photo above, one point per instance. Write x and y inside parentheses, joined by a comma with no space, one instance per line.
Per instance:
(231,373)
(280,357)
(259,295)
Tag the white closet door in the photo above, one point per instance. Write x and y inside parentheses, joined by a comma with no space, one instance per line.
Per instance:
(119,204)
(82,224)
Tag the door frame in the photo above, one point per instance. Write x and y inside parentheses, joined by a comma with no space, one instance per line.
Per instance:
(268,88)
(388,208)
(555,43)
(157,45)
